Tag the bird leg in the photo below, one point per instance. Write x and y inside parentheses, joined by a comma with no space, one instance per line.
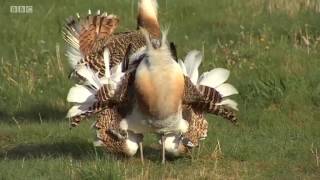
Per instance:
(141,152)
(163,139)
(140,138)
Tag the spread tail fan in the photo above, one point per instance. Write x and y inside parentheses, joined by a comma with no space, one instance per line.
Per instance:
(148,17)
(73,48)
(83,34)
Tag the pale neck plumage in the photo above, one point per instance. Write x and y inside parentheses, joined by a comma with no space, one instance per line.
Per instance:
(160,58)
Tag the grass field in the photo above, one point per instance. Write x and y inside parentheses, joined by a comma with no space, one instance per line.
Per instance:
(272,48)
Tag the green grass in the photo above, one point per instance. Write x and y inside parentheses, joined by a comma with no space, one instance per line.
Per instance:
(271,48)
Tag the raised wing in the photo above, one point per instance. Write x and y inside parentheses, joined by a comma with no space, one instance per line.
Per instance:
(208,93)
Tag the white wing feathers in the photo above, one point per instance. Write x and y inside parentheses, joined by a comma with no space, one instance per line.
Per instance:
(106,60)
(192,63)
(116,75)
(81,94)
(215,78)
(230,103)
(84,95)
(226,90)
(78,109)
(91,78)
(183,67)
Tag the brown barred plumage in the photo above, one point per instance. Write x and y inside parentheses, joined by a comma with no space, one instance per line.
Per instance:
(117,45)
(95,34)
(223,112)
(191,92)
(109,119)
(198,125)
(104,93)
(120,97)
(210,94)
(94,109)
(203,99)
(91,30)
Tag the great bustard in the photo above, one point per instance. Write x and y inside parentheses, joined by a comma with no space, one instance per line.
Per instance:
(120,47)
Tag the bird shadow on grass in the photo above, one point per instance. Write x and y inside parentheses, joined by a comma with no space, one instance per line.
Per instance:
(34,113)
(76,150)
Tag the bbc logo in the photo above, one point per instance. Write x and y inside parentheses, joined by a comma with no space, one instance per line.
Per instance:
(21,9)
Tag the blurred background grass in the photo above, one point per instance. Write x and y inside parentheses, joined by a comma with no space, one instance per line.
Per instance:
(270,46)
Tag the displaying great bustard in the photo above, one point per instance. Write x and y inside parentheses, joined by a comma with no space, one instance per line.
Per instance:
(112,100)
